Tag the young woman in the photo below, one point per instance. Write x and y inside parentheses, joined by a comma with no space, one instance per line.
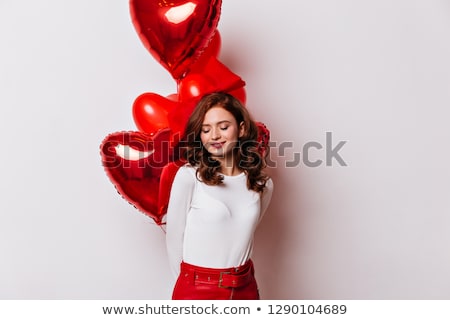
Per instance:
(216,202)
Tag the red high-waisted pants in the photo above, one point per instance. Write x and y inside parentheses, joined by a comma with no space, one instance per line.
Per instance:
(198,283)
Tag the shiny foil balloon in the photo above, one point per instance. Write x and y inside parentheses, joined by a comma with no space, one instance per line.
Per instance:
(175,32)
(212,51)
(214,77)
(263,139)
(150,112)
(134,162)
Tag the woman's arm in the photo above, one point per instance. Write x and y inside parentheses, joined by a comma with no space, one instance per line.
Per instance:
(179,204)
(266,196)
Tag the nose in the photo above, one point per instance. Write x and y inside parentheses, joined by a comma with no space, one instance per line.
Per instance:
(215,134)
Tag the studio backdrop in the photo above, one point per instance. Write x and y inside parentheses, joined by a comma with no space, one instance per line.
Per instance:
(356,96)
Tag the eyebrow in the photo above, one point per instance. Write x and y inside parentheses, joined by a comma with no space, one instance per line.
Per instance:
(218,123)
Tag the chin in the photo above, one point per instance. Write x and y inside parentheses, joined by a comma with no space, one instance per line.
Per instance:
(217,154)
(221,153)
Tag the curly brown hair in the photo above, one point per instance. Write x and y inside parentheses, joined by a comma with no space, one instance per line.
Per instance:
(247,156)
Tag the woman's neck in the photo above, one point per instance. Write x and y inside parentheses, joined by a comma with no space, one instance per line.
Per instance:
(234,171)
(228,167)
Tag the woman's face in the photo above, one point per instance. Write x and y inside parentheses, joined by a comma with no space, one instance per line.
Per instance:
(220,132)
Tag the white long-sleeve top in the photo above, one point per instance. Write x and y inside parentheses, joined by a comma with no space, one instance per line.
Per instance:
(212,226)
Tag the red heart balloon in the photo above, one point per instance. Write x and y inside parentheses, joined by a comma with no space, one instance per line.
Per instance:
(175,32)
(240,94)
(195,85)
(178,118)
(263,138)
(215,77)
(150,111)
(213,50)
(133,162)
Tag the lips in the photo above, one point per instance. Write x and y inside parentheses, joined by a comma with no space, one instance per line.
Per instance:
(217,145)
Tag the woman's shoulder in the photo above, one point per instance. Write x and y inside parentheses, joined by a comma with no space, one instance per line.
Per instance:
(186,173)
(187,167)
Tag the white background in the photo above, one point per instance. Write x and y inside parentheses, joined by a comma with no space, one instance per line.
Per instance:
(374,73)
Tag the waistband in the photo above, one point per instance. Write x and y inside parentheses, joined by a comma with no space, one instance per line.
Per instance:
(223,277)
